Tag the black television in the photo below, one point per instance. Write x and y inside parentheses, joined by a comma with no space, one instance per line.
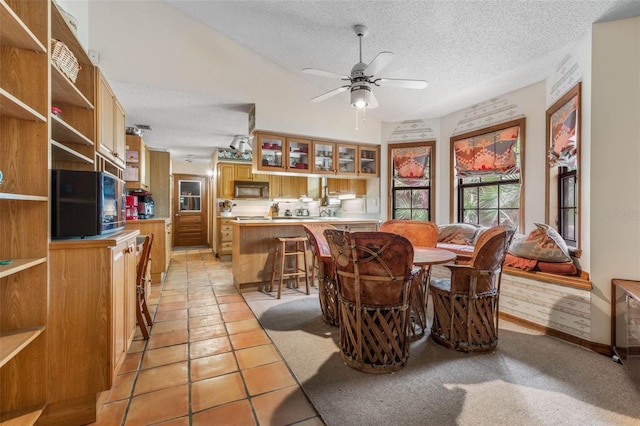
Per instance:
(86,203)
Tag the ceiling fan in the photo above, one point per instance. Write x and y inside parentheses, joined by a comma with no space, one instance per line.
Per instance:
(362,77)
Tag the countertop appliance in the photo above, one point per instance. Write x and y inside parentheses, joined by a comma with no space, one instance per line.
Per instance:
(250,190)
(146,206)
(86,203)
(131,207)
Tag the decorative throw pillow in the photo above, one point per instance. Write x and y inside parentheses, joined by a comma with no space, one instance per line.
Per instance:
(543,243)
(457,233)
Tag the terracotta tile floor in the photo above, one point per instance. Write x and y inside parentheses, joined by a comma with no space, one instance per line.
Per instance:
(207,362)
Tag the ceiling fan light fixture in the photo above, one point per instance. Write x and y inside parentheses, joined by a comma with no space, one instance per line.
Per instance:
(360,96)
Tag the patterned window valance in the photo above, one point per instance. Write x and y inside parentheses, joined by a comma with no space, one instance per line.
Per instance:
(412,163)
(490,154)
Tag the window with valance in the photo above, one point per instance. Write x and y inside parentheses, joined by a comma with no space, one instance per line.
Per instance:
(411,170)
(487,171)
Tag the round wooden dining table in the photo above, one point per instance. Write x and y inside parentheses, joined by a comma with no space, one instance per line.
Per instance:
(425,257)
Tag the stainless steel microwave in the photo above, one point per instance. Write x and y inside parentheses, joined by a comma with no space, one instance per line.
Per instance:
(250,190)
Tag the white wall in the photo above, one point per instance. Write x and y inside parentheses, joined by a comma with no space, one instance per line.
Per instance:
(615,159)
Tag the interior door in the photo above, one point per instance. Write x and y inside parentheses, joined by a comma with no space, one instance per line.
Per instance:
(190,210)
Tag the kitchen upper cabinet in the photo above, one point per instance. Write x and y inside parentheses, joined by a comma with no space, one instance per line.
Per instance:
(287,186)
(228,173)
(299,154)
(283,154)
(137,171)
(324,154)
(110,116)
(269,152)
(280,153)
(347,158)
(369,160)
(336,186)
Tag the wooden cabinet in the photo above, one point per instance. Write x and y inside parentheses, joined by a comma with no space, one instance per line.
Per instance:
(337,186)
(160,182)
(287,186)
(280,153)
(161,248)
(228,173)
(110,119)
(347,158)
(137,163)
(625,316)
(324,154)
(24,210)
(269,152)
(369,160)
(92,317)
(225,236)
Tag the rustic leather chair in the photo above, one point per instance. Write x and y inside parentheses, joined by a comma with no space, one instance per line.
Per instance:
(373,274)
(326,271)
(466,305)
(421,234)
(142,277)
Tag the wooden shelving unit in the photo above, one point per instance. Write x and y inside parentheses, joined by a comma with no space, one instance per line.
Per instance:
(24,208)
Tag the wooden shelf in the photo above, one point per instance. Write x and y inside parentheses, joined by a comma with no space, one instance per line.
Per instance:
(20,265)
(60,30)
(63,132)
(22,197)
(13,341)
(10,106)
(60,152)
(65,92)
(14,33)
(28,416)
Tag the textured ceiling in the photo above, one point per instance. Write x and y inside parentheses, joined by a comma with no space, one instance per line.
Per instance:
(468,51)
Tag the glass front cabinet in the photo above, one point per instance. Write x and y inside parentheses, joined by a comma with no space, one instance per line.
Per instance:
(270,152)
(276,153)
(299,152)
(347,159)
(368,160)
(324,157)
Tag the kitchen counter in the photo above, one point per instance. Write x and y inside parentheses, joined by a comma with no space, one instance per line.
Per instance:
(161,247)
(254,242)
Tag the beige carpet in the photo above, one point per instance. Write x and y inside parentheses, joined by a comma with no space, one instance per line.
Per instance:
(532,379)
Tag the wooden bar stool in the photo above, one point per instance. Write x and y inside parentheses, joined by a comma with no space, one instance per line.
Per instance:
(290,246)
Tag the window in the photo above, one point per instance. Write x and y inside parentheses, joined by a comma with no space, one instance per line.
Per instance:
(411,181)
(189,195)
(488,175)
(563,164)
(568,205)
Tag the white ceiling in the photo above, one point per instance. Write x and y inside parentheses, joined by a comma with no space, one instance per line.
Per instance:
(468,51)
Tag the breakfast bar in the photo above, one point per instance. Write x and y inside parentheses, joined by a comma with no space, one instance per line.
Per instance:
(253,243)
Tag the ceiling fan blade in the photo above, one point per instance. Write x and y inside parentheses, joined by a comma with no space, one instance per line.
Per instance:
(329,94)
(402,83)
(373,102)
(379,62)
(321,73)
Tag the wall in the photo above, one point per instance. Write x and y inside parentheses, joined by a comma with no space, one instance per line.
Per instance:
(615,156)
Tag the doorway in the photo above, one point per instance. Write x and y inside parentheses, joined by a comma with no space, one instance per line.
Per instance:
(190,210)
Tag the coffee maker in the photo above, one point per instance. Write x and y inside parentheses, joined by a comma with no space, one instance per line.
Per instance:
(145,204)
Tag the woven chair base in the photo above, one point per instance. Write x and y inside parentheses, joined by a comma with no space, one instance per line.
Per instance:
(451,327)
(376,341)
(328,300)
(418,302)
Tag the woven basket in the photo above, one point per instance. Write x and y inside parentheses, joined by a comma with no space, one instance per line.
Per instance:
(64,59)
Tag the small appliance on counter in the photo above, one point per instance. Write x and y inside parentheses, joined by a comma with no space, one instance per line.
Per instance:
(132,207)
(145,204)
